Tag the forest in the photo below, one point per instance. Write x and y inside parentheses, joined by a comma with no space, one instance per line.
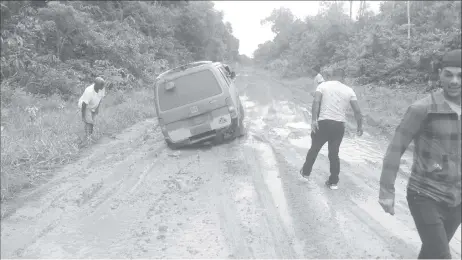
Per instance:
(54,47)
(399,45)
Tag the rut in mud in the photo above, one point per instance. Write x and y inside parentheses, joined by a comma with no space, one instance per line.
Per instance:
(133,197)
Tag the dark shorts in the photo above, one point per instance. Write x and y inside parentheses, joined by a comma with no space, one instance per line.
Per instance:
(90,117)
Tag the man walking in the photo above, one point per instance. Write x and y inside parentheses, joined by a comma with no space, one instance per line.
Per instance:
(318,79)
(434,188)
(331,101)
(89,104)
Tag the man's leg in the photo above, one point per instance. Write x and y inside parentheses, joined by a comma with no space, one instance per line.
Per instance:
(318,139)
(336,132)
(428,218)
(93,115)
(89,120)
(88,129)
(452,221)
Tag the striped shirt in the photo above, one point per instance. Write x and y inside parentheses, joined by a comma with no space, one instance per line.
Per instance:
(436,171)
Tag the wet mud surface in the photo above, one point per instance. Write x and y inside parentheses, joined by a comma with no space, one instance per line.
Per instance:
(133,197)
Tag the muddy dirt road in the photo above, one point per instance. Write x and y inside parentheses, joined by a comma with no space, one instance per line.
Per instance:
(133,197)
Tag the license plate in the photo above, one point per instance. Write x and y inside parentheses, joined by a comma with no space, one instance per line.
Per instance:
(200,129)
(199,120)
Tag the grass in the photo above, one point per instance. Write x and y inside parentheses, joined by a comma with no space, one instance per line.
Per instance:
(40,134)
(383,107)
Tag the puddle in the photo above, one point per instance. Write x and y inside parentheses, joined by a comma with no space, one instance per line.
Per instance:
(304,142)
(263,111)
(299,125)
(284,118)
(356,150)
(259,124)
(367,150)
(359,151)
(283,107)
(249,104)
(281,132)
(351,150)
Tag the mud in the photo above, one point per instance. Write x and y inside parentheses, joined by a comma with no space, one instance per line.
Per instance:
(132,197)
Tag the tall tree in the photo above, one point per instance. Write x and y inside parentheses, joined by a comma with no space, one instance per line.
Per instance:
(408,24)
(351,8)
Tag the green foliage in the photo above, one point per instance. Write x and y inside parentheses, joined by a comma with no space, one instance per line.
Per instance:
(52,50)
(58,47)
(375,48)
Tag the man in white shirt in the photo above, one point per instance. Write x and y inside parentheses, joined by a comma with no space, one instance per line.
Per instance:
(89,104)
(331,101)
(318,79)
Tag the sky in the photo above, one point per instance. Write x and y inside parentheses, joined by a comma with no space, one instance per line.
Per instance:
(245,17)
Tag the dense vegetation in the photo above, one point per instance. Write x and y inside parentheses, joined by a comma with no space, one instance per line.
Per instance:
(55,47)
(51,50)
(374,49)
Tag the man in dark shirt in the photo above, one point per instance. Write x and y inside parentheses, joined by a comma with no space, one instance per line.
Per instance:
(434,188)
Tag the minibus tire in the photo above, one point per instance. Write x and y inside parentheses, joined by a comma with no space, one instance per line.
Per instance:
(171,145)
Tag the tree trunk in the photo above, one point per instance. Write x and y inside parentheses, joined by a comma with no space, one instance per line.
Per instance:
(351,8)
(59,40)
(362,6)
(408,24)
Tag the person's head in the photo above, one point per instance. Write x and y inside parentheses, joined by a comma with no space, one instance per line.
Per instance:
(317,69)
(99,83)
(449,73)
(338,74)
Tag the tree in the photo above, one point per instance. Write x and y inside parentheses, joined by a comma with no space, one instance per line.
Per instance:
(351,9)
(280,19)
(49,46)
(409,24)
(375,48)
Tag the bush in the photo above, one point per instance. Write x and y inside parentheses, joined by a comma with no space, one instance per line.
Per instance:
(41,133)
(51,49)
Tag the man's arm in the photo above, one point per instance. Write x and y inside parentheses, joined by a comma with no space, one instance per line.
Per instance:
(83,110)
(97,108)
(358,115)
(405,132)
(316,106)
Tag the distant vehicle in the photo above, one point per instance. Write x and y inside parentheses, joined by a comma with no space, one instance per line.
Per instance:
(198,102)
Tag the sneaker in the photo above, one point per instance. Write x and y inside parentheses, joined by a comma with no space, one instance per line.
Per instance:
(331,185)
